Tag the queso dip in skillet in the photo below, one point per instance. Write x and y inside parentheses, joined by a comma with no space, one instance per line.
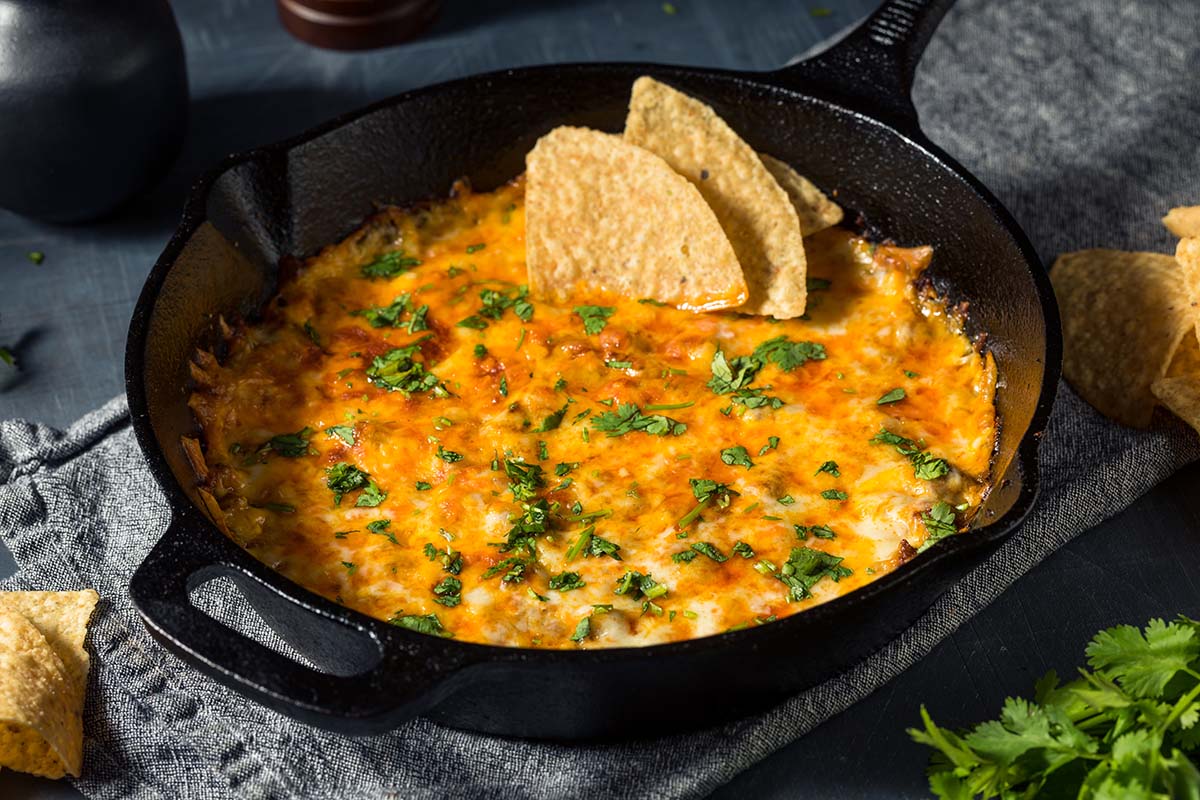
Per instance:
(408,432)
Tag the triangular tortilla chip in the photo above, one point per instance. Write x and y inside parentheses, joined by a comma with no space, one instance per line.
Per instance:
(1181,396)
(604,215)
(815,211)
(1183,221)
(1123,317)
(753,209)
(41,730)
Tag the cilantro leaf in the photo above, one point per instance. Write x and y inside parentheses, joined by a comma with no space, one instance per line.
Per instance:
(737,456)
(831,467)
(629,418)
(709,550)
(1143,664)
(343,478)
(939,523)
(595,318)
(806,567)
(566,581)
(343,432)
(788,355)
(288,445)
(448,592)
(389,265)
(421,623)
(396,371)
(892,396)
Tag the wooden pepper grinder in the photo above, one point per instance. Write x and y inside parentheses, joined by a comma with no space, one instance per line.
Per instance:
(93,104)
(356,24)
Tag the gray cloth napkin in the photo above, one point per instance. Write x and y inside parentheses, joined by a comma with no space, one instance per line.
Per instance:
(1082,116)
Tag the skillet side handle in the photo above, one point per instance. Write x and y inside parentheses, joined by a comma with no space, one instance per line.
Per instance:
(375,699)
(872,68)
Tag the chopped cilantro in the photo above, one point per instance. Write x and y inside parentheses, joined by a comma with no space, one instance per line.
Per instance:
(618,364)
(647,301)
(474,322)
(925,466)
(448,592)
(343,432)
(787,500)
(637,585)
(389,265)
(565,467)
(566,581)
(350,566)
(706,549)
(772,443)
(742,549)
(583,630)
(788,355)
(524,479)
(504,386)
(939,522)
(706,491)
(737,456)
(343,478)
(452,561)
(421,623)
(475,248)
(684,556)
(371,496)
(908,373)
(831,467)
(594,317)
(806,567)
(513,569)
(551,421)
(893,396)
(424,486)
(289,445)
(449,456)
(628,418)
(396,371)
(380,528)
(834,494)
(480,351)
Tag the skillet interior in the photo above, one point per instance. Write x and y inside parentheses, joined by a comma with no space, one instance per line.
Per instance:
(294,198)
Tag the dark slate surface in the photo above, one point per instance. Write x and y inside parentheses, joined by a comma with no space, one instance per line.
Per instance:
(251,84)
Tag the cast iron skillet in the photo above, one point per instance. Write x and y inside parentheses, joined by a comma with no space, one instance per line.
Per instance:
(843,118)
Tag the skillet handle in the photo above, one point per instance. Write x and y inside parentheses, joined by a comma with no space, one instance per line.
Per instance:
(872,67)
(370,688)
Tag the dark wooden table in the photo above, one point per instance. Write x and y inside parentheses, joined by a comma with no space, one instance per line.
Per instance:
(252,84)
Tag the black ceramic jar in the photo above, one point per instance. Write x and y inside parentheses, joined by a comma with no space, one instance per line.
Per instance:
(93,103)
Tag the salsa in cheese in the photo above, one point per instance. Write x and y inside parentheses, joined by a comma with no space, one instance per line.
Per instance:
(408,432)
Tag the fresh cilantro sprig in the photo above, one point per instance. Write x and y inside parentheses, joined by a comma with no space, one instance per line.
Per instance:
(1126,728)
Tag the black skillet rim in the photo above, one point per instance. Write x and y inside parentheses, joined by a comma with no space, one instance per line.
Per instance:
(1025,458)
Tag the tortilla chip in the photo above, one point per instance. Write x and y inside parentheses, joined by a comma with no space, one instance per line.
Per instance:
(753,209)
(1181,396)
(1183,221)
(603,214)
(1186,358)
(815,211)
(1187,256)
(1123,315)
(41,729)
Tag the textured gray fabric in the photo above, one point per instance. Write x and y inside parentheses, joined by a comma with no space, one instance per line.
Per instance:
(1082,116)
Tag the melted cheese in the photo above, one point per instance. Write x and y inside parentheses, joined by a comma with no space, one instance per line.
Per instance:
(303,367)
